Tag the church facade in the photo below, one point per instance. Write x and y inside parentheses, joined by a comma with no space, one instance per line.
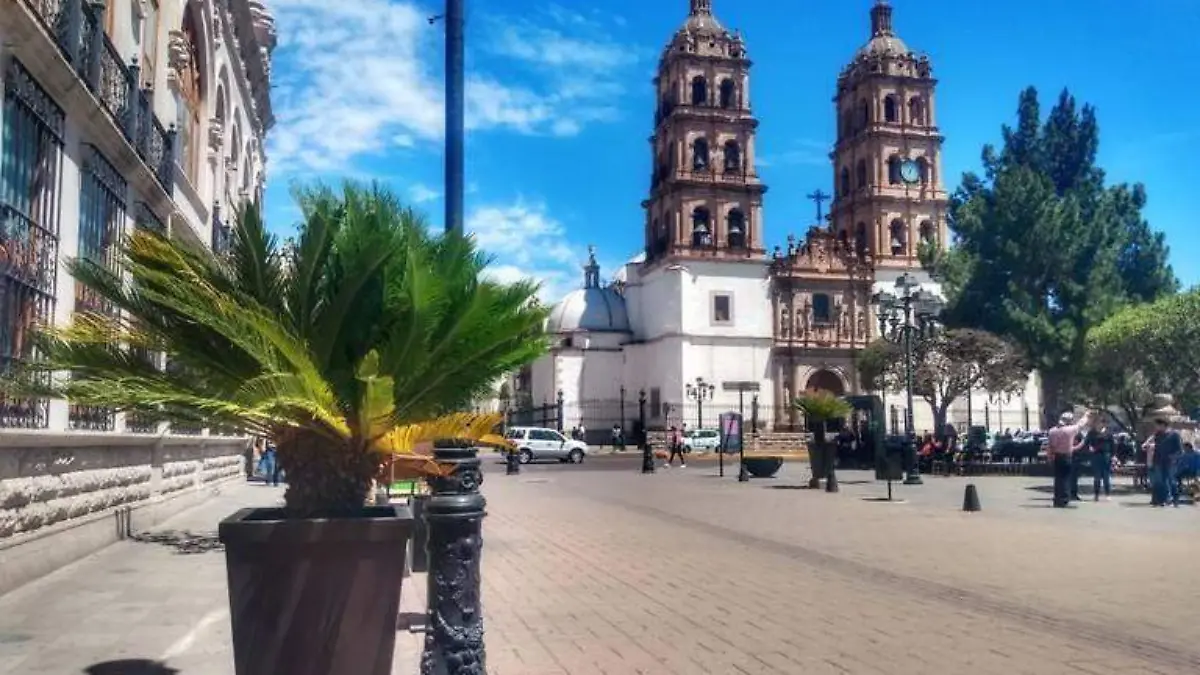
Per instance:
(706,306)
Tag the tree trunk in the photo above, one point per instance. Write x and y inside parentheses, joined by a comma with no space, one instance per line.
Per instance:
(325,477)
(1053,403)
(939,418)
(817,456)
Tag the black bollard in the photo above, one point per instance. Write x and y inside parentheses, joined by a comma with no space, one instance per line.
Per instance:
(743,474)
(971,499)
(454,513)
(647,458)
(512,463)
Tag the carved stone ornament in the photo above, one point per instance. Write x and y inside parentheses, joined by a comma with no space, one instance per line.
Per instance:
(179,56)
(216,135)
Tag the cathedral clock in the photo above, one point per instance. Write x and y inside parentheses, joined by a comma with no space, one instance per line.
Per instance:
(910,172)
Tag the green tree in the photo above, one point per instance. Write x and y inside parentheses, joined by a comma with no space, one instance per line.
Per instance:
(946,367)
(369,324)
(1144,350)
(1044,250)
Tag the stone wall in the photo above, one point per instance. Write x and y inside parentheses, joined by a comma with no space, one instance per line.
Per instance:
(60,493)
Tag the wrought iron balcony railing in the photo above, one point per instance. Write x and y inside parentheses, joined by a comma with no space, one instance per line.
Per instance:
(77,27)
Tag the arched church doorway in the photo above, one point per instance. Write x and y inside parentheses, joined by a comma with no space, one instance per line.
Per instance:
(826,380)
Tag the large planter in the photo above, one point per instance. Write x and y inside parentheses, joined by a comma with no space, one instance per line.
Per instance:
(763,467)
(420,535)
(818,457)
(315,597)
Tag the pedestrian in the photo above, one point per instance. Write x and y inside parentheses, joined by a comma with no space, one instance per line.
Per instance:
(1103,447)
(618,437)
(248,456)
(582,433)
(273,468)
(1078,459)
(676,449)
(1162,449)
(1060,447)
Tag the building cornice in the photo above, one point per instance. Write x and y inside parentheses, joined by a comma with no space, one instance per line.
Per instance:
(237,29)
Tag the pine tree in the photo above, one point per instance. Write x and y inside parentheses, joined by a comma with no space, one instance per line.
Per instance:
(1045,250)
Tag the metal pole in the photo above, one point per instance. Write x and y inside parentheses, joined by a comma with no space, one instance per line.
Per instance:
(454,512)
(643,435)
(454,115)
(914,472)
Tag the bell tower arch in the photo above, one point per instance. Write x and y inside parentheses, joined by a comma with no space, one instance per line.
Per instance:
(705,195)
(890,195)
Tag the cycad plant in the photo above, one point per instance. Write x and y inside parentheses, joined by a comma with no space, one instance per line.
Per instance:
(367,323)
(820,408)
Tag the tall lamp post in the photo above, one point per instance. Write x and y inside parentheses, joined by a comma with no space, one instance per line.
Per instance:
(905,317)
(700,392)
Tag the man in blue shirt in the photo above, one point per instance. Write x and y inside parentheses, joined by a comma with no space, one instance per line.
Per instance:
(1164,447)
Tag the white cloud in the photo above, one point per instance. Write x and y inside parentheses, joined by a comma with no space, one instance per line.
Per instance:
(527,242)
(420,193)
(353,78)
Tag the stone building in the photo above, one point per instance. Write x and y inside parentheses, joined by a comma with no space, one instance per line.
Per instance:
(705,300)
(117,115)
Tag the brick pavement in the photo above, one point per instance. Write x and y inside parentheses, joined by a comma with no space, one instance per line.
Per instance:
(681,573)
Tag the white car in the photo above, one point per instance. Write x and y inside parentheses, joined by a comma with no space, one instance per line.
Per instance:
(703,440)
(541,443)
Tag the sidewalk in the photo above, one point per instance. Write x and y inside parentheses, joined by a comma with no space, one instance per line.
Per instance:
(622,574)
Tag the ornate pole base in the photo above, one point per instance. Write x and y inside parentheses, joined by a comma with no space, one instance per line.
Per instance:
(647,459)
(512,464)
(454,512)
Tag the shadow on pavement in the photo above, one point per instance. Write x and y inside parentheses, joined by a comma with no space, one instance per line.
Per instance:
(790,487)
(130,667)
(184,543)
(1085,486)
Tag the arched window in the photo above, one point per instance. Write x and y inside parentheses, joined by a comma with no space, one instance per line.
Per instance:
(889,109)
(191,99)
(820,308)
(861,171)
(735,224)
(700,154)
(727,94)
(699,90)
(893,166)
(733,157)
(246,178)
(861,245)
(864,114)
(899,240)
(916,111)
(927,232)
(701,228)
(845,182)
(923,167)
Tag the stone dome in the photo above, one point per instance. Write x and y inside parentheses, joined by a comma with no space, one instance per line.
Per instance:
(596,310)
(593,308)
(884,44)
(701,21)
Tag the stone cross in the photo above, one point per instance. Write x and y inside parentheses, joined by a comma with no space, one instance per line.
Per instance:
(820,198)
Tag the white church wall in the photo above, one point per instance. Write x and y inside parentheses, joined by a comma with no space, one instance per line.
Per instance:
(656,367)
(542,379)
(746,285)
(653,303)
(722,359)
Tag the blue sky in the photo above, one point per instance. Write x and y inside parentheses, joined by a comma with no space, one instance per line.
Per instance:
(560,105)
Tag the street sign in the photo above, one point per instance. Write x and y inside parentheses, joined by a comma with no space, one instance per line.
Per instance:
(740,385)
(731,432)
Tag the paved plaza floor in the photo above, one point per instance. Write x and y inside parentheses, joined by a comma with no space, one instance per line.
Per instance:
(611,572)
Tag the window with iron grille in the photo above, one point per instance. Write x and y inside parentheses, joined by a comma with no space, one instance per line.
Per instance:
(101,221)
(145,421)
(31,157)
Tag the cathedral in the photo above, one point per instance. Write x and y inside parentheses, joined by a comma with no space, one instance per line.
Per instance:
(706,317)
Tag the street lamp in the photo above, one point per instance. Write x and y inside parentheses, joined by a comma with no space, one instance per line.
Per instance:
(700,392)
(906,316)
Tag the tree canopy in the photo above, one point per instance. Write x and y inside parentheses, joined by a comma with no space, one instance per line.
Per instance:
(946,367)
(1145,350)
(1044,249)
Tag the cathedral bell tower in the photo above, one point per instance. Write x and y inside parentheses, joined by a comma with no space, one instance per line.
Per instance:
(889,191)
(705,196)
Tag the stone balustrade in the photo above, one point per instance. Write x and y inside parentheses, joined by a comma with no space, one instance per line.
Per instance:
(61,492)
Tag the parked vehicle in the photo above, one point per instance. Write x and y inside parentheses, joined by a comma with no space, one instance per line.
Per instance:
(541,443)
(704,440)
